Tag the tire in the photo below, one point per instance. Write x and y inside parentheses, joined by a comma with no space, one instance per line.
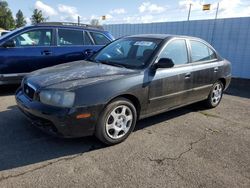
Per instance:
(116,122)
(215,95)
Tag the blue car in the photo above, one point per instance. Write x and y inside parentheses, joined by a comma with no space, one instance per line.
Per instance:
(43,45)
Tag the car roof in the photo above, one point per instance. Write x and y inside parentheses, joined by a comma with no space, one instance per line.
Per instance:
(87,27)
(160,36)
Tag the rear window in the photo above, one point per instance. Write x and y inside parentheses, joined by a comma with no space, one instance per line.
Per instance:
(70,37)
(99,38)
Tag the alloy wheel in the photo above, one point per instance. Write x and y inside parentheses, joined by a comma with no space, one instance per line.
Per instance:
(216,94)
(119,122)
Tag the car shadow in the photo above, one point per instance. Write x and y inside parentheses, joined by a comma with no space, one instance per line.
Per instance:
(147,122)
(239,91)
(7,90)
(239,87)
(22,144)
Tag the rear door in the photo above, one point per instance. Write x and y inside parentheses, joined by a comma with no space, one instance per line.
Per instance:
(205,68)
(70,45)
(171,87)
(33,50)
(73,45)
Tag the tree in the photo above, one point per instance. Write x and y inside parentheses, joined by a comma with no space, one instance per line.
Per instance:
(20,21)
(6,19)
(37,17)
(94,22)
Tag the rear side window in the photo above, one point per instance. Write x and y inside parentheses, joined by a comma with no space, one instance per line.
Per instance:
(42,37)
(70,37)
(99,38)
(177,51)
(201,52)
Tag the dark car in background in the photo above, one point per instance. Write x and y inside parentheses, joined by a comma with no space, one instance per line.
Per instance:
(130,79)
(47,44)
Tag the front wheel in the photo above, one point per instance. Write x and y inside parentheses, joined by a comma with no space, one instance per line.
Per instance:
(215,95)
(116,122)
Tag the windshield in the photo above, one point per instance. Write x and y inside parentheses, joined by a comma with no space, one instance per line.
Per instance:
(10,32)
(128,52)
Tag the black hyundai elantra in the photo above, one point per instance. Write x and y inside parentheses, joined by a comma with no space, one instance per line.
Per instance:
(130,79)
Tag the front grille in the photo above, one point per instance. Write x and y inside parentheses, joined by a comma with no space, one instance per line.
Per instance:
(29,91)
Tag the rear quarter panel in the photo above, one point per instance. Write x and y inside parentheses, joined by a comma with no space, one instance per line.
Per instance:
(226,72)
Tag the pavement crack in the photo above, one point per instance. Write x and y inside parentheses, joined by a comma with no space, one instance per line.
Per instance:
(160,161)
(2,178)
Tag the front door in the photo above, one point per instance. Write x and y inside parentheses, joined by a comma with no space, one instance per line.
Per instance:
(32,50)
(171,87)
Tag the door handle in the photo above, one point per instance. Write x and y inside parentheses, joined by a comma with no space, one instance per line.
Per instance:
(88,52)
(216,69)
(187,75)
(46,52)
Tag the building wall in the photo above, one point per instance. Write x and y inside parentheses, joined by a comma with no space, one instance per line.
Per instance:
(230,37)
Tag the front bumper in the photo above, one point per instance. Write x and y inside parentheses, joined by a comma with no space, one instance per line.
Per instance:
(61,122)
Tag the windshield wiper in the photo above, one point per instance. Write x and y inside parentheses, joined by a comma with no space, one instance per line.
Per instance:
(110,63)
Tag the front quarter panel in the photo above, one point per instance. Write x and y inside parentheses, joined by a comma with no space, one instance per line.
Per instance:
(102,93)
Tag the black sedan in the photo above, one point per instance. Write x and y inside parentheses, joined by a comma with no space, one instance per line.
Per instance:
(130,79)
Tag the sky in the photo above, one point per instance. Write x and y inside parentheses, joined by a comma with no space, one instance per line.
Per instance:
(130,11)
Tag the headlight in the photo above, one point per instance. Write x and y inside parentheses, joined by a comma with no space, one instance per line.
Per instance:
(57,98)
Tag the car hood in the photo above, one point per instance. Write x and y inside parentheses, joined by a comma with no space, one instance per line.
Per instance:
(76,73)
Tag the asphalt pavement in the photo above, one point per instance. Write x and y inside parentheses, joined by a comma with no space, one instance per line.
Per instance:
(187,147)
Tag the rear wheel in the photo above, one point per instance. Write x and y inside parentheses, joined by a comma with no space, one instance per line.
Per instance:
(116,122)
(215,95)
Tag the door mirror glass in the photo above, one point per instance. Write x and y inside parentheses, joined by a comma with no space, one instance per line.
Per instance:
(9,44)
(164,63)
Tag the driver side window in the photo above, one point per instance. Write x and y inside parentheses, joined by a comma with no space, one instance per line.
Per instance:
(177,51)
(34,38)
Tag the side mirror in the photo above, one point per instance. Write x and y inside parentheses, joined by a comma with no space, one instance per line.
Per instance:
(164,63)
(9,44)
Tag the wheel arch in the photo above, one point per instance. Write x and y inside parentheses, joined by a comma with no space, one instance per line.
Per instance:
(224,82)
(135,101)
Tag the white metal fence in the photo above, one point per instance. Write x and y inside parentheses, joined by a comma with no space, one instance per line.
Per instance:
(231,37)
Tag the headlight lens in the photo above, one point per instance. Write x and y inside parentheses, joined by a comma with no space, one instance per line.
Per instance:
(57,98)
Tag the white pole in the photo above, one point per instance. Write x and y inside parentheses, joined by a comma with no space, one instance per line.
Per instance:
(217,10)
(189,11)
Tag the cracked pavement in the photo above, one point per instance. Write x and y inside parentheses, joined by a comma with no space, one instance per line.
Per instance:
(187,147)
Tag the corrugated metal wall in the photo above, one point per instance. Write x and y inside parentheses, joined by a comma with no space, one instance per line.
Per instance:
(231,37)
